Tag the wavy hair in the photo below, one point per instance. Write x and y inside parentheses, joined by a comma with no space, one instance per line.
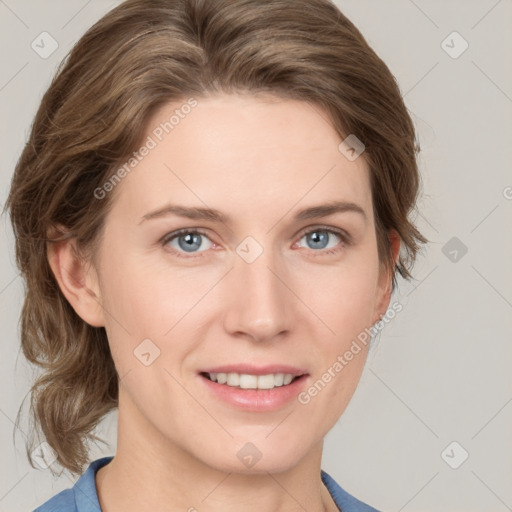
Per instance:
(138,57)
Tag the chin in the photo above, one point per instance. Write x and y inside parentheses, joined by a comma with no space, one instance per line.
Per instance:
(257,454)
(276,463)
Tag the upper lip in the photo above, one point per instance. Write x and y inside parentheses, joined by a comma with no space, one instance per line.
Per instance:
(255,370)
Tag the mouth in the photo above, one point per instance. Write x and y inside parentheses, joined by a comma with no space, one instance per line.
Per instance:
(254,388)
(252,381)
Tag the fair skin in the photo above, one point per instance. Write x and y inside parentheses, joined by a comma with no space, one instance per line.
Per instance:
(258,161)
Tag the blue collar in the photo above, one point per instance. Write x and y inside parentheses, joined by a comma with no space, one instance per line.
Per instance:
(345,501)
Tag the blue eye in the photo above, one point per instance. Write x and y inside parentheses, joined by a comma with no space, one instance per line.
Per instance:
(322,238)
(187,241)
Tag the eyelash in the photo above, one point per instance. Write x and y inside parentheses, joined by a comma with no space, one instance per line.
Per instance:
(346,239)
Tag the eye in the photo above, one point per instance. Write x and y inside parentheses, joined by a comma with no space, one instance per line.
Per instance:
(187,241)
(324,239)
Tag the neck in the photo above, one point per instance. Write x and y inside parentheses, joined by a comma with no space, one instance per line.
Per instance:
(151,472)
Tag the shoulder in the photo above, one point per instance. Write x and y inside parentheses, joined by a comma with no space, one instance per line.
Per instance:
(62,502)
(345,501)
(82,497)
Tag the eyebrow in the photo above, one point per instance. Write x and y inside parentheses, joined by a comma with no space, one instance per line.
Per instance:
(313,212)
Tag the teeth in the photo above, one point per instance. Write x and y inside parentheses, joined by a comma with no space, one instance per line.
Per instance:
(246,381)
(233,379)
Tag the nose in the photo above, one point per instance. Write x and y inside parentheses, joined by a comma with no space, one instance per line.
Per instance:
(259,306)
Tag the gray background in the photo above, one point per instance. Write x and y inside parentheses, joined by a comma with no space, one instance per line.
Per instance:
(440,371)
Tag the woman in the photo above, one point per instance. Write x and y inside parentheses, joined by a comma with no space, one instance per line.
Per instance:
(209,213)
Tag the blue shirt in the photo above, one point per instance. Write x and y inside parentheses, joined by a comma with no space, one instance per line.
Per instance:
(83,497)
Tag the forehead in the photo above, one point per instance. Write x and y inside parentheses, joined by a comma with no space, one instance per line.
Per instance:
(242,154)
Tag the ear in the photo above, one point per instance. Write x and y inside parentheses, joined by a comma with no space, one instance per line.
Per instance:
(384,288)
(77,279)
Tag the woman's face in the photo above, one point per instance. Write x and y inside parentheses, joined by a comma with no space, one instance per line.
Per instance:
(274,287)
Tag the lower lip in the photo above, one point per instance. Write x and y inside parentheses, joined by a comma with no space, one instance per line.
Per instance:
(256,400)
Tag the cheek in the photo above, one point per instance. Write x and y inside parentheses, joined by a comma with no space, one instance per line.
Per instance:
(342,296)
(343,299)
(144,300)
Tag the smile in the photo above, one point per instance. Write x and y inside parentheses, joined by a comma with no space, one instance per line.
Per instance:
(248,381)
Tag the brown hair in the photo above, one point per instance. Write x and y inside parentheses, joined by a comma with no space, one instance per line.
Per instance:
(140,56)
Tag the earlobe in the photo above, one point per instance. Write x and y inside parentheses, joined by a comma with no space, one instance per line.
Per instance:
(77,280)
